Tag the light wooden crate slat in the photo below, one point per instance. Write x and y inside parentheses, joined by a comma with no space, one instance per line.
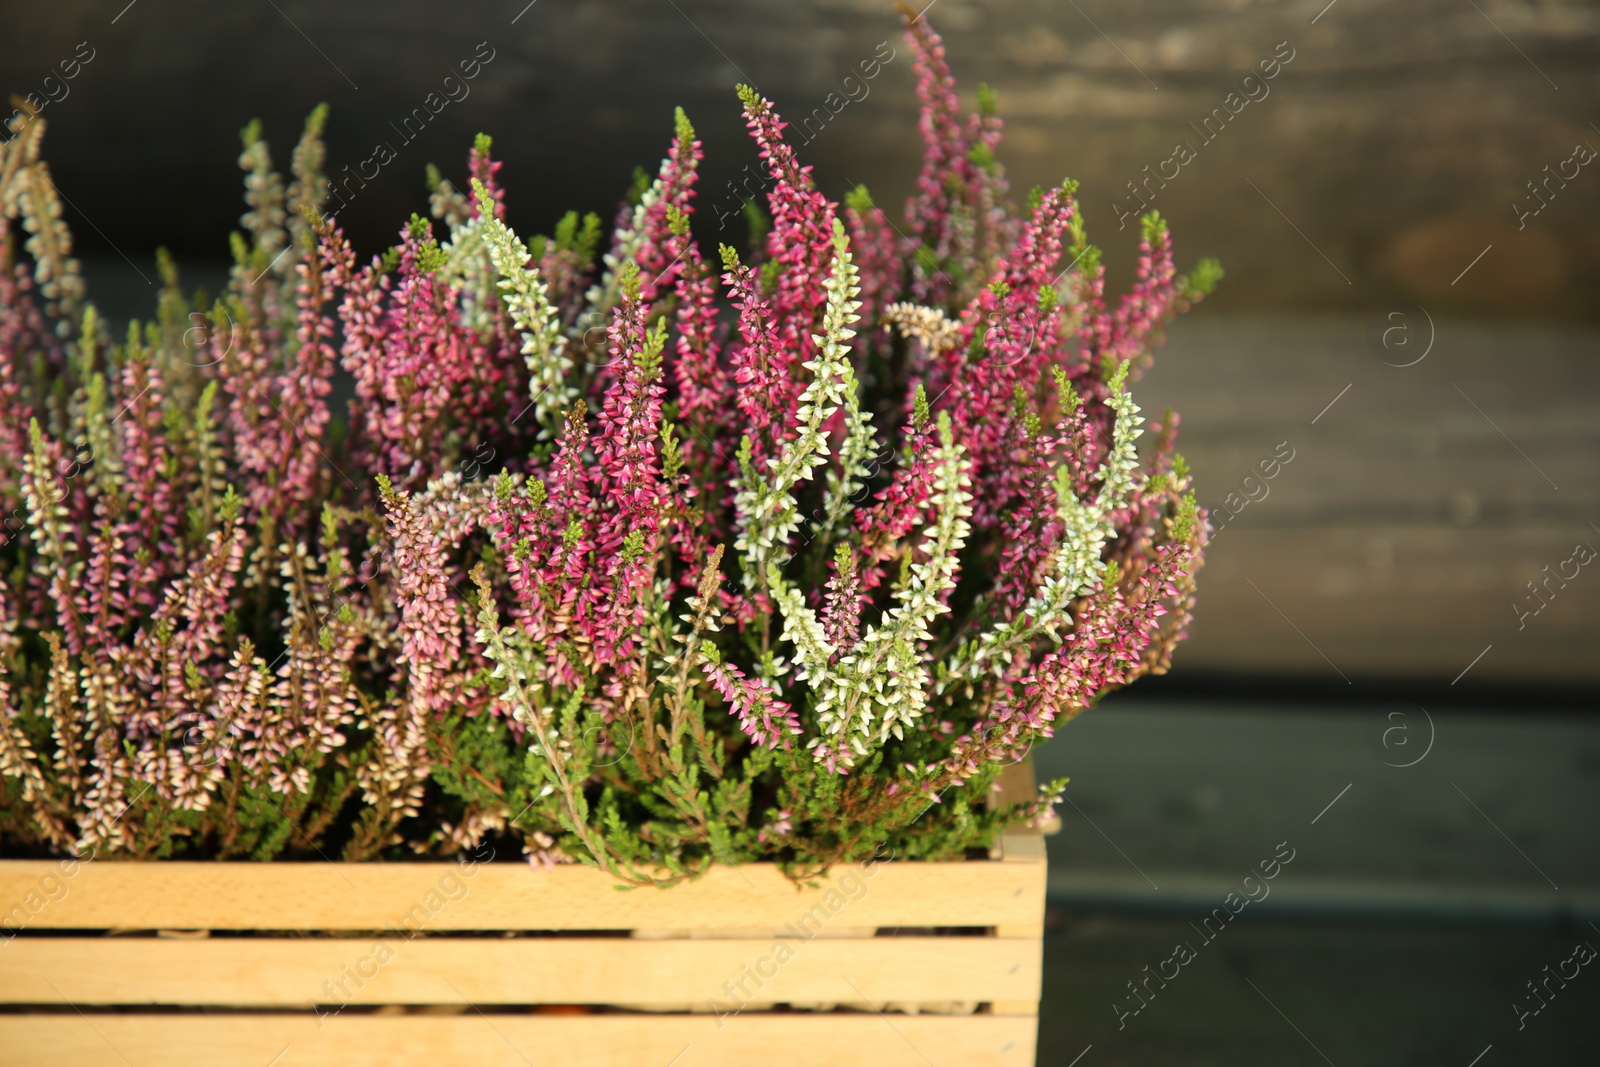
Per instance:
(797,1040)
(272,972)
(442,896)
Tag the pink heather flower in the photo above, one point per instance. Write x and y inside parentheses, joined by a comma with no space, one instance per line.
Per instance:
(426,365)
(540,848)
(800,241)
(54,580)
(760,370)
(1106,644)
(701,383)
(780,826)
(627,480)
(430,628)
(699,377)
(23,331)
(1127,333)
(420,369)
(107,574)
(547,541)
(484,169)
(571,498)
(185,629)
(900,504)
(958,212)
(945,148)
(643,237)
(142,456)
(299,395)
(276,420)
(841,606)
(426,529)
(366,339)
(1082,442)
(660,247)
(879,253)
(1002,329)
(1031,529)
(243,348)
(764,718)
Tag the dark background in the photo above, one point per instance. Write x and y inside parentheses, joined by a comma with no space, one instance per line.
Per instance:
(1365,615)
(1396,139)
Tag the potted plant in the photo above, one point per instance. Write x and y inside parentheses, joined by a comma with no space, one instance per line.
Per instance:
(742,608)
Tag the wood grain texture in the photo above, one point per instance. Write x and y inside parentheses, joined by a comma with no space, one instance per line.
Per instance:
(794,1040)
(1398,136)
(281,973)
(494,896)
(1400,539)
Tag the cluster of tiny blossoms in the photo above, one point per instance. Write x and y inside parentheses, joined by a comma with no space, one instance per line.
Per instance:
(789,577)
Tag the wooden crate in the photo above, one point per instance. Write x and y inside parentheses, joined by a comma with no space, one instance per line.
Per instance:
(287,964)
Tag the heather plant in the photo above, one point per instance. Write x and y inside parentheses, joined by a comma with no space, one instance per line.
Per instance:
(628,554)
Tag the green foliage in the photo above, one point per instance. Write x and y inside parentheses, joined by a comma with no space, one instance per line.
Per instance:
(430,257)
(758,222)
(1202,280)
(987,104)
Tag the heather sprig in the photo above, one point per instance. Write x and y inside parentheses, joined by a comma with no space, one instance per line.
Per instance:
(544,344)
(788,566)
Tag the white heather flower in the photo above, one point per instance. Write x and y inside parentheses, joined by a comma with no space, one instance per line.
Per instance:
(928,325)
(881,686)
(544,346)
(766,507)
(1075,567)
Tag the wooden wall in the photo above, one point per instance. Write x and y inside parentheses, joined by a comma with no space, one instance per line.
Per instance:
(1379,161)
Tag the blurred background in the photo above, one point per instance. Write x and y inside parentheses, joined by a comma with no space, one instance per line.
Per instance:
(1395,661)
